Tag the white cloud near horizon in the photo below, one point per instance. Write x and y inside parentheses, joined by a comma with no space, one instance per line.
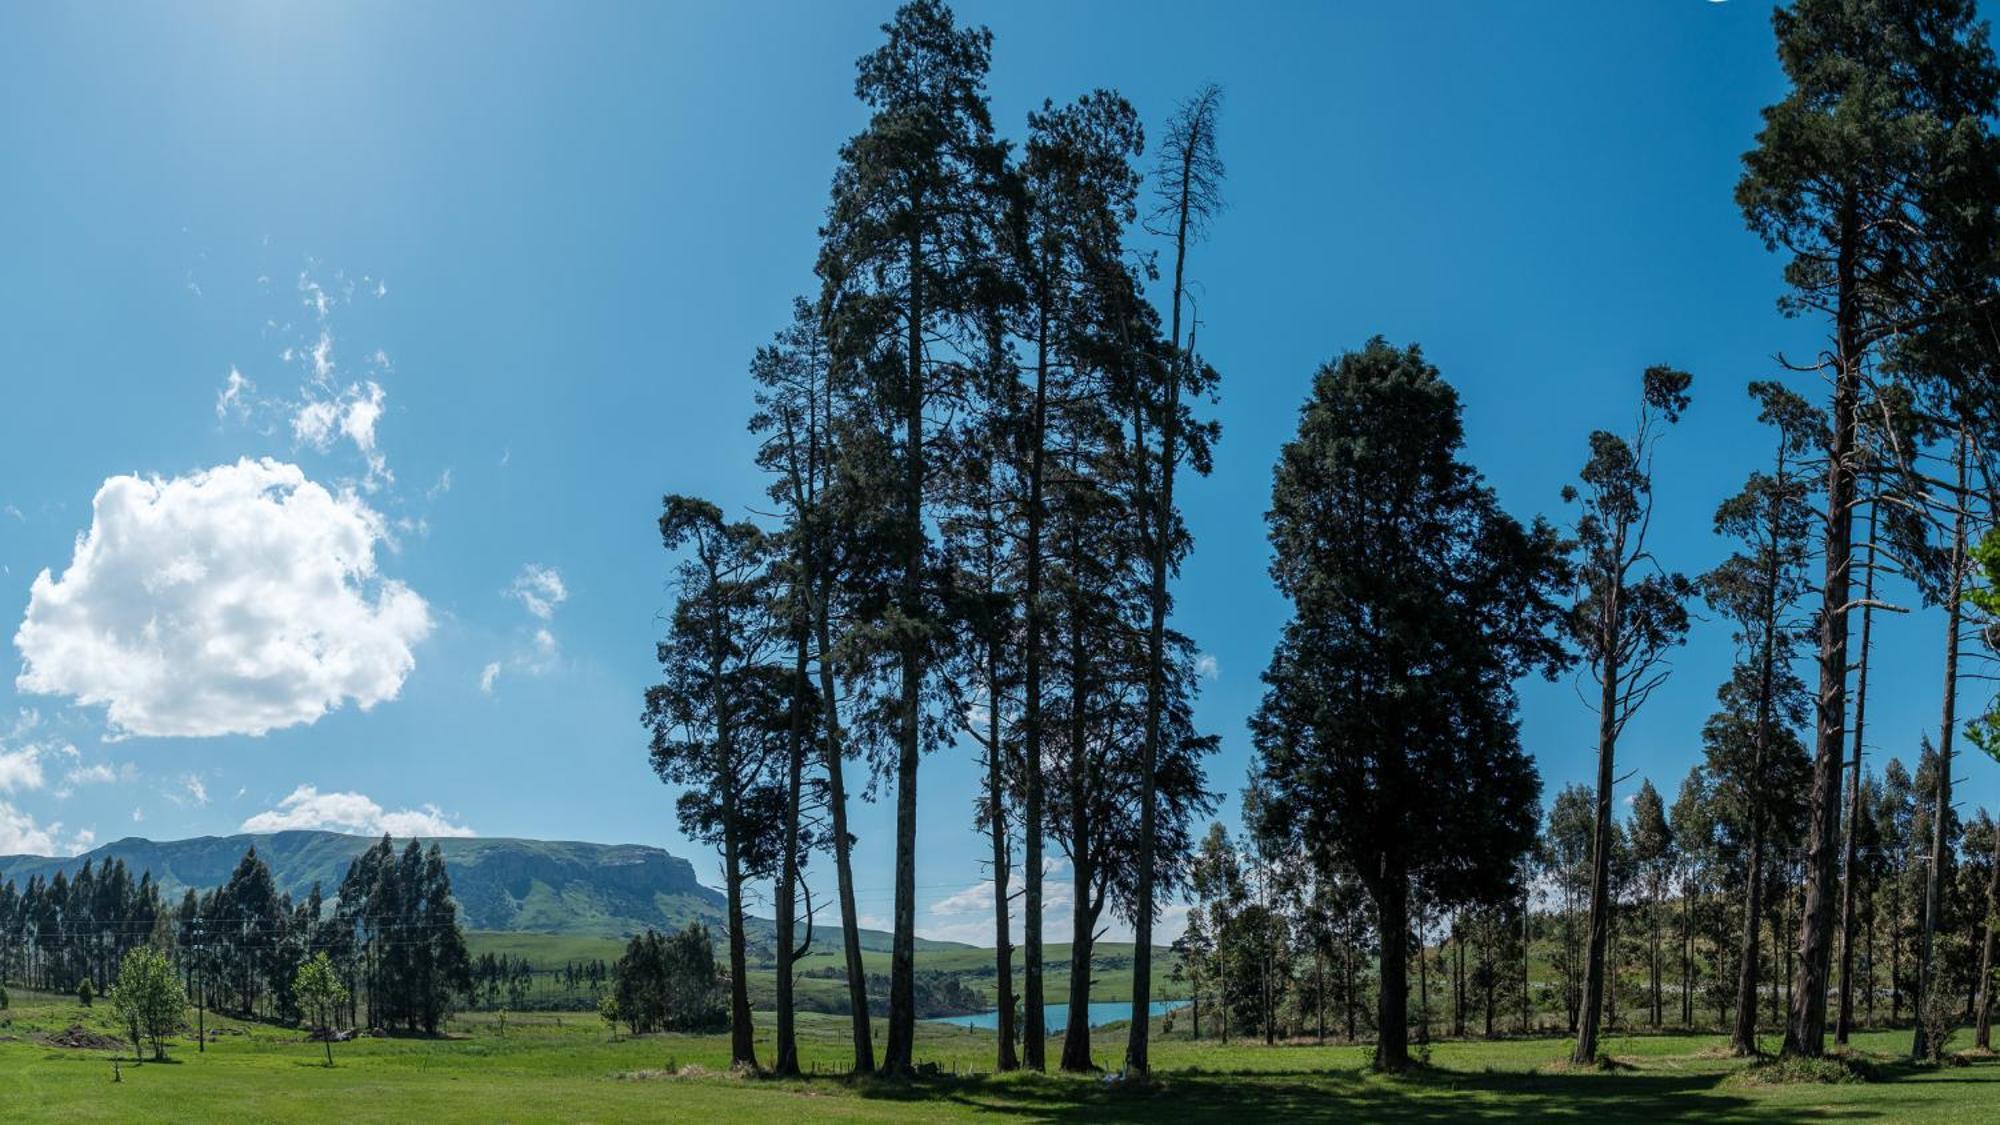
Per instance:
(21,769)
(20,835)
(239,599)
(308,808)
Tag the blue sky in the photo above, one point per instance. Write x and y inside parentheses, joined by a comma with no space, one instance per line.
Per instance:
(489,275)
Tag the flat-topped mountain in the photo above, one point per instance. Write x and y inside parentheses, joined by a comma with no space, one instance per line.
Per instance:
(500,884)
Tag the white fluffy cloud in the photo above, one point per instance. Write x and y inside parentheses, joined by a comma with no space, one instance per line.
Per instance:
(20,769)
(354,813)
(20,835)
(237,600)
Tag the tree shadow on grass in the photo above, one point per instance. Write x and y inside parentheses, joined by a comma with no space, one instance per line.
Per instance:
(1430,1096)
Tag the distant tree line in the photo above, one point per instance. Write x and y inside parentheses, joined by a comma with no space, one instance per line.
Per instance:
(392,936)
(1271,950)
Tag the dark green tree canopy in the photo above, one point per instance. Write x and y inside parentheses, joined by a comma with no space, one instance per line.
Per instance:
(1388,726)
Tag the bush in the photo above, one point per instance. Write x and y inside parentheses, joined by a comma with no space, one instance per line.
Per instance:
(1829,1070)
(1939,1011)
(149,998)
(670,983)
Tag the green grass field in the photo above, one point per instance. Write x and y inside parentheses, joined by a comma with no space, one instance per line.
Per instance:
(550,1067)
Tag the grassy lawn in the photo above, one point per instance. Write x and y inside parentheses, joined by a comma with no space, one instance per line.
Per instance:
(565,1068)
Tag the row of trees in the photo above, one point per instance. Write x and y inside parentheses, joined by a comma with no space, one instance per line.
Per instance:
(392,936)
(59,932)
(972,430)
(1388,736)
(1274,949)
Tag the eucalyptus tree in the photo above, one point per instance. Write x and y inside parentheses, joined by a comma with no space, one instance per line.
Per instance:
(1759,771)
(1566,843)
(1858,176)
(1895,817)
(1950,590)
(1758,589)
(1215,877)
(1695,829)
(1628,614)
(721,716)
(1654,854)
(1079,192)
(1387,736)
(909,261)
(1189,179)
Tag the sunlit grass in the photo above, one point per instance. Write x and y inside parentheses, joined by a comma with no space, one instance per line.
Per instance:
(568,1067)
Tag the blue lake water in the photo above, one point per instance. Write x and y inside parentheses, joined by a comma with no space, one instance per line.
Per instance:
(1057,1015)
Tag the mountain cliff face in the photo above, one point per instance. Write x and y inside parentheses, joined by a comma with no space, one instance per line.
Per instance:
(500,884)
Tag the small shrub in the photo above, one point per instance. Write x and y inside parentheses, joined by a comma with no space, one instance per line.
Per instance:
(1830,1070)
(1939,1013)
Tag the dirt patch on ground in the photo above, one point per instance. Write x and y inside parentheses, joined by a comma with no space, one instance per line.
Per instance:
(78,1037)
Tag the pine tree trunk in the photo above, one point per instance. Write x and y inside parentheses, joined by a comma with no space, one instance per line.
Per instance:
(1083,913)
(1805,1032)
(897,1052)
(1947,727)
(1843,1023)
(1392,1000)
(1076,1036)
(787,1062)
(1600,849)
(742,1035)
(1982,1021)
(843,858)
(1034,1034)
(1003,946)
(1137,1059)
